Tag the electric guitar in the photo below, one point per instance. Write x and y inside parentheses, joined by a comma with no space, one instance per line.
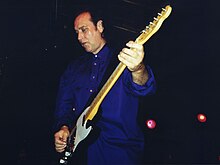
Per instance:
(81,131)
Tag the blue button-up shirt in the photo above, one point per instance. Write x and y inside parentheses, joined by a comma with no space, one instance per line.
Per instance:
(120,139)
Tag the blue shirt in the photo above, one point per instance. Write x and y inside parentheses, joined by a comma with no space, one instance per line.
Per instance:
(120,139)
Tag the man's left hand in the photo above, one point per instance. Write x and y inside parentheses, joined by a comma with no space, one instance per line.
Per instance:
(132,56)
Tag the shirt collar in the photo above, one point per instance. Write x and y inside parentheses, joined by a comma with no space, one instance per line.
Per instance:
(103,53)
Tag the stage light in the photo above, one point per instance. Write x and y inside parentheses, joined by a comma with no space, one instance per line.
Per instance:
(201,117)
(151,124)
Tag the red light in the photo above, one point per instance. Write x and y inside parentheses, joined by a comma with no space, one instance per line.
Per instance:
(201,117)
(151,124)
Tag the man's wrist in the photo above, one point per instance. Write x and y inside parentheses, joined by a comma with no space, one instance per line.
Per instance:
(140,76)
(139,68)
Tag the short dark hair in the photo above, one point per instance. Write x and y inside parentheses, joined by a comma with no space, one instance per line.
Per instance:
(95,12)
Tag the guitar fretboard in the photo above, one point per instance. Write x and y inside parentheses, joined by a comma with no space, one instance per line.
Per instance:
(103,92)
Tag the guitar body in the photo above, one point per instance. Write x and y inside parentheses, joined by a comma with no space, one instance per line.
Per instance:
(81,131)
(78,134)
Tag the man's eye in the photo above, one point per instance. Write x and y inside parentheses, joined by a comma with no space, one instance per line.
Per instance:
(84,30)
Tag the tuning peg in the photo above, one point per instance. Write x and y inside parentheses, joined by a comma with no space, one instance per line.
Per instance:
(152,23)
(155,19)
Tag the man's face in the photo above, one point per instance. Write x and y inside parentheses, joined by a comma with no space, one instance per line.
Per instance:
(89,35)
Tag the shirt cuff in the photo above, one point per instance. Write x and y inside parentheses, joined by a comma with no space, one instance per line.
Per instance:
(141,90)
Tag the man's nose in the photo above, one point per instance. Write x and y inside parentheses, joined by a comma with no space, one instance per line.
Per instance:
(80,36)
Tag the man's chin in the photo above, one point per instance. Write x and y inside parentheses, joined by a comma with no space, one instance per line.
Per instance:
(87,49)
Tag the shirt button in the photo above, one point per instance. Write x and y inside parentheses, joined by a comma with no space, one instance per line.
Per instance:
(96,56)
(90,90)
(93,77)
(74,109)
(95,63)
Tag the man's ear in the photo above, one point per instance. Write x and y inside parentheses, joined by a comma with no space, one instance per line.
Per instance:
(100,26)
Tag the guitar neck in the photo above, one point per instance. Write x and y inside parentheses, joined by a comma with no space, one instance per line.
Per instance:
(103,92)
(146,34)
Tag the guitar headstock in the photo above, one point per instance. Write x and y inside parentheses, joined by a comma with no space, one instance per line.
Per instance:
(154,26)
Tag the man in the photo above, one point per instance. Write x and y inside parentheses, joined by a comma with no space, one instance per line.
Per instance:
(120,140)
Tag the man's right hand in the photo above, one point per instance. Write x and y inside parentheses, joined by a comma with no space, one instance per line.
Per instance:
(61,139)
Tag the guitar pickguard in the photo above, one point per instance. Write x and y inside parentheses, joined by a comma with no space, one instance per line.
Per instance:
(81,131)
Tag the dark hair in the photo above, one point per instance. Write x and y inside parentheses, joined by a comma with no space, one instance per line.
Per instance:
(95,12)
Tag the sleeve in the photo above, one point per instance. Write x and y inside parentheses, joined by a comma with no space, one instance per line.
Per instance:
(140,90)
(64,114)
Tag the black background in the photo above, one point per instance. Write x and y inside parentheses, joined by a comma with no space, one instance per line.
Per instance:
(37,42)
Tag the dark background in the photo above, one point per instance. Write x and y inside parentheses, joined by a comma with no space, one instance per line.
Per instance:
(37,42)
